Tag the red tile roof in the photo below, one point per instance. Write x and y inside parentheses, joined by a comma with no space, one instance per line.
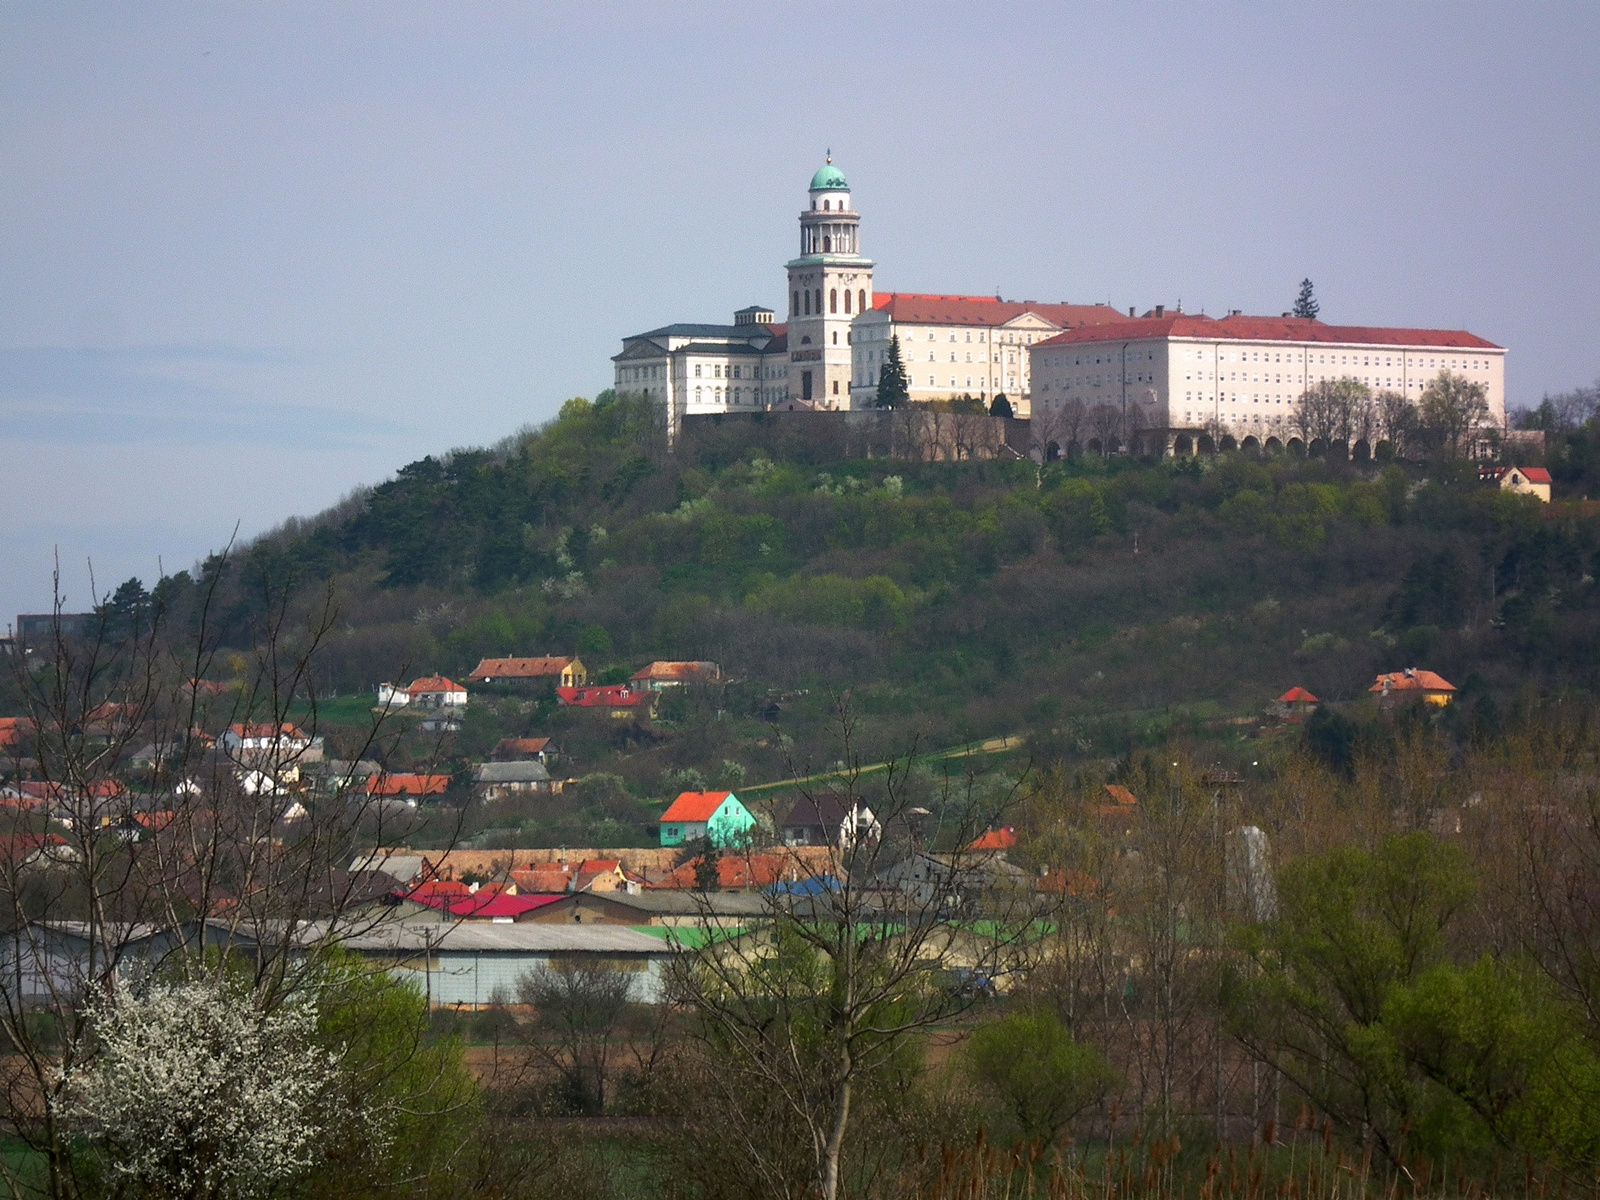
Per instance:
(432,683)
(694,806)
(430,891)
(1412,680)
(1277,329)
(408,785)
(521,745)
(14,729)
(996,839)
(286,730)
(519,668)
(1121,795)
(1535,474)
(739,871)
(613,695)
(918,308)
(678,670)
(1298,695)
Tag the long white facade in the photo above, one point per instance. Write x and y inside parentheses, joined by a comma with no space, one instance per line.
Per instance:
(1242,376)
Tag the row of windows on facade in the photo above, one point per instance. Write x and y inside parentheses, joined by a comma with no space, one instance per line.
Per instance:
(718,371)
(910,335)
(1343,360)
(1096,381)
(803,299)
(738,395)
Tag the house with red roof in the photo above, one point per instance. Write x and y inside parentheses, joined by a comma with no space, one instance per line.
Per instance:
(1412,684)
(715,817)
(524,750)
(619,701)
(738,873)
(1525,481)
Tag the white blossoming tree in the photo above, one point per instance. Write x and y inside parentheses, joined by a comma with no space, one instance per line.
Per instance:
(196,1093)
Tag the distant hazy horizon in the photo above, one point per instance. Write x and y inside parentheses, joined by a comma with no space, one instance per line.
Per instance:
(257,256)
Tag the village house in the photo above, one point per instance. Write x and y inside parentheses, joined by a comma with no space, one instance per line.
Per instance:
(1295,705)
(411,787)
(1525,481)
(660,675)
(619,701)
(523,749)
(829,819)
(716,817)
(563,671)
(497,780)
(429,692)
(1412,684)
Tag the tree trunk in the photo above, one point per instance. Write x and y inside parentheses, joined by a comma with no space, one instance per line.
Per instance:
(835,1144)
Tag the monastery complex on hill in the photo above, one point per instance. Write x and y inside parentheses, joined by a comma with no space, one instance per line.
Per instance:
(1169,374)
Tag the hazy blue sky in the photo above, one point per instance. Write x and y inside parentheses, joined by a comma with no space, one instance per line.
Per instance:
(252,255)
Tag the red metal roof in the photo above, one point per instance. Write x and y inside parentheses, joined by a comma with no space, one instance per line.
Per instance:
(1298,695)
(919,308)
(695,806)
(613,695)
(1277,329)
(498,904)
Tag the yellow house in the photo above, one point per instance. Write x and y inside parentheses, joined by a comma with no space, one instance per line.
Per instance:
(1526,481)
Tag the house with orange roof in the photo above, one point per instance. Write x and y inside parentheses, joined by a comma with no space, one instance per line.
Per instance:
(408,785)
(1525,481)
(715,817)
(1004,838)
(523,749)
(662,674)
(1296,704)
(738,873)
(1412,684)
(562,670)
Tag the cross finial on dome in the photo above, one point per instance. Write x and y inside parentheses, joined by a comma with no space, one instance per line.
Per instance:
(830,153)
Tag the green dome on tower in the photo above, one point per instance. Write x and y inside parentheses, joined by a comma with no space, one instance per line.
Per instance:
(829,179)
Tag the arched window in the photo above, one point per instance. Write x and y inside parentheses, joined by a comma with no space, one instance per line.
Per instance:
(697,395)
(861,300)
(826,205)
(847,299)
(827,245)
(808,302)
(819,302)
(794,303)
(833,300)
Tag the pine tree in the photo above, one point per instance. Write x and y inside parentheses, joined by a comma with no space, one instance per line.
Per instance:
(1306,305)
(894,390)
(707,871)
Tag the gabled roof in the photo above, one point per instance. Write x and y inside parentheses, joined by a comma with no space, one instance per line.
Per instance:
(1412,680)
(520,668)
(1531,474)
(695,806)
(1003,838)
(828,810)
(1298,695)
(1121,795)
(507,746)
(408,785)
(663,669)
(1278,329)
(285,730)
(738,871)
(433,683)
(520,771)
(919,309)
(486,904)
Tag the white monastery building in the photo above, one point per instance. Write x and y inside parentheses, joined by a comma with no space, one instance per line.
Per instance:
(1168,374)
(1238,377)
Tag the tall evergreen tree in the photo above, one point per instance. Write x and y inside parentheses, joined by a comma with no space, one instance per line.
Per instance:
(1306,304)
(894,390)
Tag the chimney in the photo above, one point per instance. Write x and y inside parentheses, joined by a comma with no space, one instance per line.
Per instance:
(1130,309)
(1161,311)
(1235,312)
(1288,314)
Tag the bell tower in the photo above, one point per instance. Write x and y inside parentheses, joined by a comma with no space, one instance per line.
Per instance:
(830,284)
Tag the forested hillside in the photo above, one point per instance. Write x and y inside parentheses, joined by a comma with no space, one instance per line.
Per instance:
(1090,603)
